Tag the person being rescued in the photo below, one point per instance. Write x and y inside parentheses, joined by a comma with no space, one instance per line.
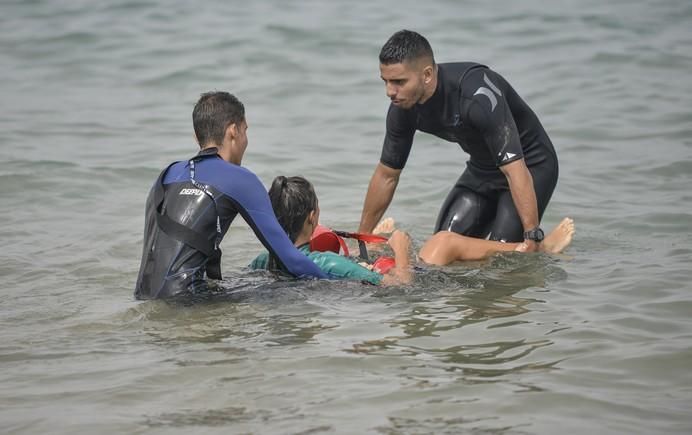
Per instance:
(296,207)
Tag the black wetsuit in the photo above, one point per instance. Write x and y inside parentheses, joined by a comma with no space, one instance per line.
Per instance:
(476,107)
(189,210)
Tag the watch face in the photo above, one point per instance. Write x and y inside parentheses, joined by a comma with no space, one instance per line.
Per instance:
(539,235)
(536,235)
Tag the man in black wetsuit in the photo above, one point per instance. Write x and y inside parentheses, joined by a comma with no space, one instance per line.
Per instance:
(512,170)
(194,201)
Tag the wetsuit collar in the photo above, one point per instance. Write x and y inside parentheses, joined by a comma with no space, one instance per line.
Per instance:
(211,151)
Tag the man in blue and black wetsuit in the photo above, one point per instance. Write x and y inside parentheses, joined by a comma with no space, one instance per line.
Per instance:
(512,168)
(193,202)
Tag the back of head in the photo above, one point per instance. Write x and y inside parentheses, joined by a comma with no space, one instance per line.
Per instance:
(212,115)
(292,198)
(406,46)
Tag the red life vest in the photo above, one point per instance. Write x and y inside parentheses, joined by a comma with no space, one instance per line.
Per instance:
(325,240)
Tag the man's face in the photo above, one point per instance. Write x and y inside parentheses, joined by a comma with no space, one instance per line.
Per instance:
(403,83)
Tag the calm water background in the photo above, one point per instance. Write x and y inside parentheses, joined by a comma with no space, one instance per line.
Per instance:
(96,98)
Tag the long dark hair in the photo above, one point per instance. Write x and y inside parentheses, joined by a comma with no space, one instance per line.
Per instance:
(292,198)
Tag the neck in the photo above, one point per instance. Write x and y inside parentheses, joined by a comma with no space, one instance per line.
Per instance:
(301,240)
(304,236)
(430,89)
(225,152)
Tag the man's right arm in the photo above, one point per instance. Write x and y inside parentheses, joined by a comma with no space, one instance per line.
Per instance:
(395,150)
(380,193)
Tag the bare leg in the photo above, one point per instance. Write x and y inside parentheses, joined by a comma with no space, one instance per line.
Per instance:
(446,247)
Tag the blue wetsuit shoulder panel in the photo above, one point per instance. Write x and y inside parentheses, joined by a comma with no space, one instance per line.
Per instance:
(246,191)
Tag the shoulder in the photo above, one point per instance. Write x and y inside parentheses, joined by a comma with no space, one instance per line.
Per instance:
(230,168)
(260,262)
(340,267)
(451,73)
(399,116)
(175,172)
(484,89)
(327,257)
(474,79)
(230,178)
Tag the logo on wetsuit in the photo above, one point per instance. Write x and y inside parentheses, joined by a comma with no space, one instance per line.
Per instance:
(488,93)
(507,156)
(195,192)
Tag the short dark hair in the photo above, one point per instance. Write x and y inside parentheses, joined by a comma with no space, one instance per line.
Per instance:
(292,198)
(212,115)
(405,45)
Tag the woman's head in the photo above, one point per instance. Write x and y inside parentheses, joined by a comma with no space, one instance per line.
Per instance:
(294,201)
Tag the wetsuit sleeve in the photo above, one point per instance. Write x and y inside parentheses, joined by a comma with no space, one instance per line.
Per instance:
(490,114)
(255,207)
(398,138)
(340,267)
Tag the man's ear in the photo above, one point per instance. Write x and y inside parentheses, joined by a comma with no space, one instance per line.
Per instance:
(428,73)
(231,132)
(312,218)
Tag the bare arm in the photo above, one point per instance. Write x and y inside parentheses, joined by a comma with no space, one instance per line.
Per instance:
(401,272)
(523,195)
(380,193)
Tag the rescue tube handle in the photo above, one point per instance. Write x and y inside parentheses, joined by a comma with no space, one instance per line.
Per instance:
(369,238)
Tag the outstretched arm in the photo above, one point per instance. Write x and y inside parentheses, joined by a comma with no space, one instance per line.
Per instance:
(380,193)
(252,202)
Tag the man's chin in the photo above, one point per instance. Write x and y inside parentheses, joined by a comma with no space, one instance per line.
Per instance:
(403,104)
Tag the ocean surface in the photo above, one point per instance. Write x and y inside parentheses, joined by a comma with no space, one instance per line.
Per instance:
(96,98)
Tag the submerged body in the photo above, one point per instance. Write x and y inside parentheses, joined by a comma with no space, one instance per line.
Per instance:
(296,206)
(335,266)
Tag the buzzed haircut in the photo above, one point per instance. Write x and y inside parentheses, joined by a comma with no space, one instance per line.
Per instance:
(405,46)
(212,115)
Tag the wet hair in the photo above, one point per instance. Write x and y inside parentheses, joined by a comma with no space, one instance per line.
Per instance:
(212,115)
(405,46)
(292,198)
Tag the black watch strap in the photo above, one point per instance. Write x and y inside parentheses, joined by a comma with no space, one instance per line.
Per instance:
(535,234)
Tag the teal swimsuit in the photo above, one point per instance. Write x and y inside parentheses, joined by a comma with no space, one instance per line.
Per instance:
(335,265)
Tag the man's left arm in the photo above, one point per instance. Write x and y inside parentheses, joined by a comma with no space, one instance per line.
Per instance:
(524,196)
(491,115)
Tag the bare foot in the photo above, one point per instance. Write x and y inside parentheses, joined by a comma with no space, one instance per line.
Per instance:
(559,238)
(385,226)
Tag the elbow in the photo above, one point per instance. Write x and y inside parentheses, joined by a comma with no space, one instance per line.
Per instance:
(515,170)
(388,175)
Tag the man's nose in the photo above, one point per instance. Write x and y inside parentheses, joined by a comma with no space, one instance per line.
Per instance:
(390,90)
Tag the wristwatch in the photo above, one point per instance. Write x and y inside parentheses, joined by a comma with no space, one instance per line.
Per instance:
(535,234)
